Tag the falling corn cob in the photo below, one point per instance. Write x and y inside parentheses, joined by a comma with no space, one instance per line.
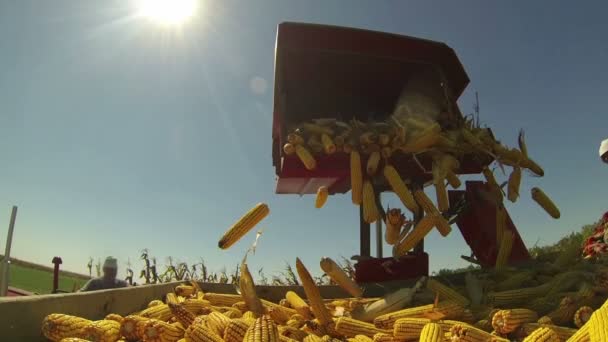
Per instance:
(372,163)
(200,333)
(236,329)
(394,221)
(501,222)
(335,272)
(440,190)
(262,330)
(401,190)
(159,331)
(298,304)
(58,326)
(423,227)
(423,140)
(102,331)
(322,194)
(314,296)
(453,180)
(493,184)
(429,208)
(356,177)
(545,202)
(244,225)
(446,292)
(504,250)
(513,185)
(289,149)
(506,321)
(432,332)
(132,327)
(350,327)
(295,139)
(370,207)
(307,159)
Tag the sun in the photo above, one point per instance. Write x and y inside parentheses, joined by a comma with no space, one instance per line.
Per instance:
(168,12)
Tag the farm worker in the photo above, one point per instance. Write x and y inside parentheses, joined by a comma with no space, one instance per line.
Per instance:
(108,280)
(604,151)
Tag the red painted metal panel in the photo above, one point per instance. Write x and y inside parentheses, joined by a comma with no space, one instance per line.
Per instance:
(386,269)
(478,226)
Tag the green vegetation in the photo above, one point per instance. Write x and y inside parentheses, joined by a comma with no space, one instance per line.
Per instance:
(41,281)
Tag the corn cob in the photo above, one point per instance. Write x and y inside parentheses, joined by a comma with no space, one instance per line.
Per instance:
(171,298)
(102,331)
(372,163)
(384,139)
(235,330)
(217,323)
(513,185)
(581,335)
(248,315)
(504,250)
(360,338)
(159,331)
(322,194)
(545,202)
(370,207)
(185,290)
(197,306)
(336,273)
(155,302)
(73,339)
(114,317)
(278,315)
(298,304)
(160,312)
(313,338)
(286,339)
(440,190)
(293,333)
(243,225)
(328,145)
(350,327)
(132,327)
(423,140)
(562,332)
(545,320)
(58,326)
(432,332)
(306,157)
(263,330)
(314,296)
(598,325)
(383,337)
(394,222)
(506,321)
(514,297)
(514,281)
(542,334)
(200,333)
(448,308)
(182,315)
(484,324)
(356,177)
(284,311)
(421,229)
(294,323)
(582,316)
(429,208)
(289,149)
(564,313)
(453,179)
(446,292)
(248,291)
(466,333)
(409,328)
(295,139)
(493,184)
(401,190)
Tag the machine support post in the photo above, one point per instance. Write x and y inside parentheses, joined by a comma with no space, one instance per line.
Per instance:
(364,235)
(378,230)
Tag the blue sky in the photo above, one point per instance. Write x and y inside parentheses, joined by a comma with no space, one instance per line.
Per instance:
(116,134)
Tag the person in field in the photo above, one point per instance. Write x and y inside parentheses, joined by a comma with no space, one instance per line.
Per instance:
(108,280)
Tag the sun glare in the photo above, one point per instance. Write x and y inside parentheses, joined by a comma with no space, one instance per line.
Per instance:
(168,12)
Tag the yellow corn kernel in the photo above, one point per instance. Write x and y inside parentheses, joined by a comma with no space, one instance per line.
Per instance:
(409,328)
(513,185)
(160,312)
(545,202)
(102,331)
(314,296)
(350,327)
(356,177)
(370,207)
(429,208)
(262,330)
(598,325)
(504,250)
(372,163)
(432,332)
(243,225)
(328,145)
(423,227)
(506,321)
(398,186)
(446,292)
(542,334)
(235,330)
(58,326)
(335,272)
(322,194)
(307,159)
(564,334)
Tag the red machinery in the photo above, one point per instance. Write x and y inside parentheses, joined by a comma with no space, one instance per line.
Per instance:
(327,71)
